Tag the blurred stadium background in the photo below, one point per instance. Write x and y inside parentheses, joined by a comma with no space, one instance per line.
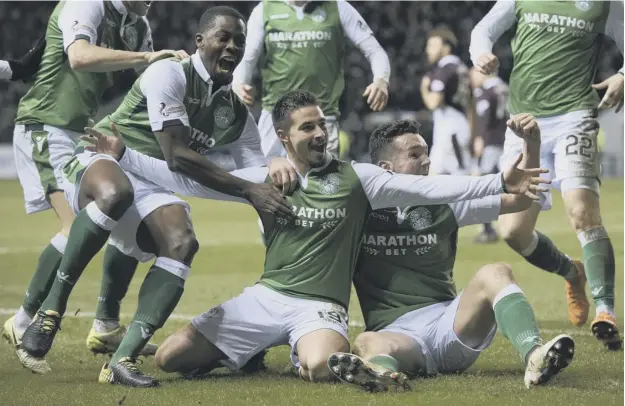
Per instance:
(400,27)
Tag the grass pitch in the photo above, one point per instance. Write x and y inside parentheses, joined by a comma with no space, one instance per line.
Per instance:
(231,258)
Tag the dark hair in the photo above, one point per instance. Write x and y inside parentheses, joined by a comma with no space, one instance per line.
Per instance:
(207,21)
(288,103)
(382,136)
(447,35)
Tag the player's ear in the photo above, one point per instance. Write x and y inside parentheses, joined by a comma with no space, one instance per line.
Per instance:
(282,135)
(386,165)
(199,40)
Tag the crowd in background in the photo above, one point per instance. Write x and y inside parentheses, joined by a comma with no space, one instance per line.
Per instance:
(400,27)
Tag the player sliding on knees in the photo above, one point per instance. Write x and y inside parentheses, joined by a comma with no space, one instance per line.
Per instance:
(303,294)
(415,321)
(176,111)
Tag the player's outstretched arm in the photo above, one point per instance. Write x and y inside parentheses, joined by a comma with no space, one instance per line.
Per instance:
(387,189)
(158,171)
(484,35)
(79,22)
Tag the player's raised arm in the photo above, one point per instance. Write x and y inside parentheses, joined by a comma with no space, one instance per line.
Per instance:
(498,20)
(79,22)
(242,76)
(359,33)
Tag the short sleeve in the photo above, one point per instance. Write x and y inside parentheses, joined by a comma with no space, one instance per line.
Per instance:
(164,85)
(80,20)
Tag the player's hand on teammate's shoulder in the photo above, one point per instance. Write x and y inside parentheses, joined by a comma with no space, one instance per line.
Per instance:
(245,92)
(525,126)
(155,56)
(377,94)
(487,64)
(614,92)
(521,181)
(283,175)
(267,199)
(104,144)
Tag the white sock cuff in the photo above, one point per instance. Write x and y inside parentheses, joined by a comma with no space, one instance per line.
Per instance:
(101,219)
(532,247)
(507,291)
(594,234)
(174,267)
(59,242)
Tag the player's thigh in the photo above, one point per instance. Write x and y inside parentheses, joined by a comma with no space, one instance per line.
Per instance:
(172,232)
(40,152)
(475,318)
(185,350)
(398,345)
(244,325)
(453,353)
(576,153)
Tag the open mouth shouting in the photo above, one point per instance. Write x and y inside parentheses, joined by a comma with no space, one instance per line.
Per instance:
(226,64)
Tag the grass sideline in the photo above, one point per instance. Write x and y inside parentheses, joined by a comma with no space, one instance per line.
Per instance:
(231,258)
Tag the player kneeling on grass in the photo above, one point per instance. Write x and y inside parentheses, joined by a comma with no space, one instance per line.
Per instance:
(416,324)
(303,293)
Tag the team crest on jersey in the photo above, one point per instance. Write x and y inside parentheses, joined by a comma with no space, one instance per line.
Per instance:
(224,116)
(420,218)
(319,15)
(583,5)
(329,184)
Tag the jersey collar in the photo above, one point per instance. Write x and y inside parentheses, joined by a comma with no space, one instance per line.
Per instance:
(304,177)
(199,68)
(447,59)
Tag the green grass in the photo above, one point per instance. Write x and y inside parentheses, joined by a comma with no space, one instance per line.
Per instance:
(231,258)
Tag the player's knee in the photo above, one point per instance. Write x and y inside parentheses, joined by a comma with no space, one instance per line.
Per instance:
(582,217)
(182,246)
(315,369)
(113,199)
(494,277)
(166,359)
(368,343)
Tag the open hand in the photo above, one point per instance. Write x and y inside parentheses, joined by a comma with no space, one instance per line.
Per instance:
(104,144)
(267,199)
(377,94)
(526,182)
(614,94)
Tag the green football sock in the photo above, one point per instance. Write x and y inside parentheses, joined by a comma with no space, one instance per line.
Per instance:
(88,234)
(543,254)
(159,294)
(385,361)
(598,257)
(42,279)
(515,318)
(117,272)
